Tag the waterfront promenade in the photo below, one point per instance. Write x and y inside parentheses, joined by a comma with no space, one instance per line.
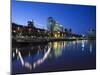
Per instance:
(31,39)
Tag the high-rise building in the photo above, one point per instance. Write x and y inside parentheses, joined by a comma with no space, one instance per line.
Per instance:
(50,24)
(53,25)
(30,24)
(55,28)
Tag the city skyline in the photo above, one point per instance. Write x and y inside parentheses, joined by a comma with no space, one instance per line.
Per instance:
(77,17)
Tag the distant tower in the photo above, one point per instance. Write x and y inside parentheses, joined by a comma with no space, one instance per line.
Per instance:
(31,24)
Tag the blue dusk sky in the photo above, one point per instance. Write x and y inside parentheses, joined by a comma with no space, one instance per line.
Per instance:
(77,17)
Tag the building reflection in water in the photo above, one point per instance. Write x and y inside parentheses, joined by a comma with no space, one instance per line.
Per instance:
(32,58)
(90,48)
(42,53)
(13,54)
(40,61)
(34,64)
(55,48)
(91,45)
(74,42)
(83,45)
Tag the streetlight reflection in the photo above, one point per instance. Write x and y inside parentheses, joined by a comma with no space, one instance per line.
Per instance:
(90,48)
(38,62)
(83,45)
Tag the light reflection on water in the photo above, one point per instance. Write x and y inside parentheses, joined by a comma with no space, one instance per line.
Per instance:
(32,57)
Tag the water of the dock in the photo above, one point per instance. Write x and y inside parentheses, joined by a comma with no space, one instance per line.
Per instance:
(54,56)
